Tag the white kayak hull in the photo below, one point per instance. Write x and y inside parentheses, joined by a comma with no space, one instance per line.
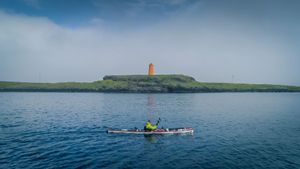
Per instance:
(158,131)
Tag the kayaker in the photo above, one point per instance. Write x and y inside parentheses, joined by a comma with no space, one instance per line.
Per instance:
(149,126)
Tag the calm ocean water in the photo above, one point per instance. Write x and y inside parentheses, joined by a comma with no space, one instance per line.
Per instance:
(68,130)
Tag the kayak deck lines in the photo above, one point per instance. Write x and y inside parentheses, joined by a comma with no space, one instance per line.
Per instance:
(187,130)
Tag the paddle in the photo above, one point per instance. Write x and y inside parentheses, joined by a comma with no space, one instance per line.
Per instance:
(158,121)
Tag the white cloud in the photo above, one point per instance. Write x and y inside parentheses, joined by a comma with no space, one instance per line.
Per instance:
(33,3)
(210,50)
(97,21)
(174,2)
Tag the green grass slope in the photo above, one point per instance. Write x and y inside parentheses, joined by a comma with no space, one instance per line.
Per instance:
(145,84)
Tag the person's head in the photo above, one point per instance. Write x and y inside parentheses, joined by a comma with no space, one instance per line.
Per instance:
(149,121)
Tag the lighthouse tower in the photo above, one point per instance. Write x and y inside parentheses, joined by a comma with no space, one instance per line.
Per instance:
(151,69)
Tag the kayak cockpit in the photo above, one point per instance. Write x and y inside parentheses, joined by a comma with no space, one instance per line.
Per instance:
(157,131)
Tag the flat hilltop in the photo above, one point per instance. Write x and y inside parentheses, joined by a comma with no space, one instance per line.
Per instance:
(144,84)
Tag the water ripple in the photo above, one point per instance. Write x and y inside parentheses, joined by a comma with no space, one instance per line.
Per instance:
(68,130)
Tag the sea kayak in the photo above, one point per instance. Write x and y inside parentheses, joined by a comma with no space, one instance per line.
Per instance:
(157,131)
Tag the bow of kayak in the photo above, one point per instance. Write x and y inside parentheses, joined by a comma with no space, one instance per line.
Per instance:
(157,131)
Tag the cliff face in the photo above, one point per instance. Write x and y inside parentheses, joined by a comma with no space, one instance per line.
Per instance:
(154,83)
(145,84)
(153,78)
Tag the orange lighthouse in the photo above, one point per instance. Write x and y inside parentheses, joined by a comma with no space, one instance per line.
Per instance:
(151,70)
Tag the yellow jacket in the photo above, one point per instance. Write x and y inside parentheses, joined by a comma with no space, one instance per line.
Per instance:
(150,126)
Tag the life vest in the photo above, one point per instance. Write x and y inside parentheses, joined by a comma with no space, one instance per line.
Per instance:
(149,126)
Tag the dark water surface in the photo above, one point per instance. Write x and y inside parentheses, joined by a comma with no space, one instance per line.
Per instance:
(68,130)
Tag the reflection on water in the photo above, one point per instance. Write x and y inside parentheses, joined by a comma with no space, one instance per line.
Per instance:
(151,138)
(152,115)
(155,138)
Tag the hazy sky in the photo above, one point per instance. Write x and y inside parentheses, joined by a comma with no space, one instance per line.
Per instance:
(247,41)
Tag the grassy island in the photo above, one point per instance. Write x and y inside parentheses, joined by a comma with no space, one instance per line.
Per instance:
(144,84)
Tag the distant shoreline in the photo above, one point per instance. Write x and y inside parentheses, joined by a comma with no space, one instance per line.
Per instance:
(144,84)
